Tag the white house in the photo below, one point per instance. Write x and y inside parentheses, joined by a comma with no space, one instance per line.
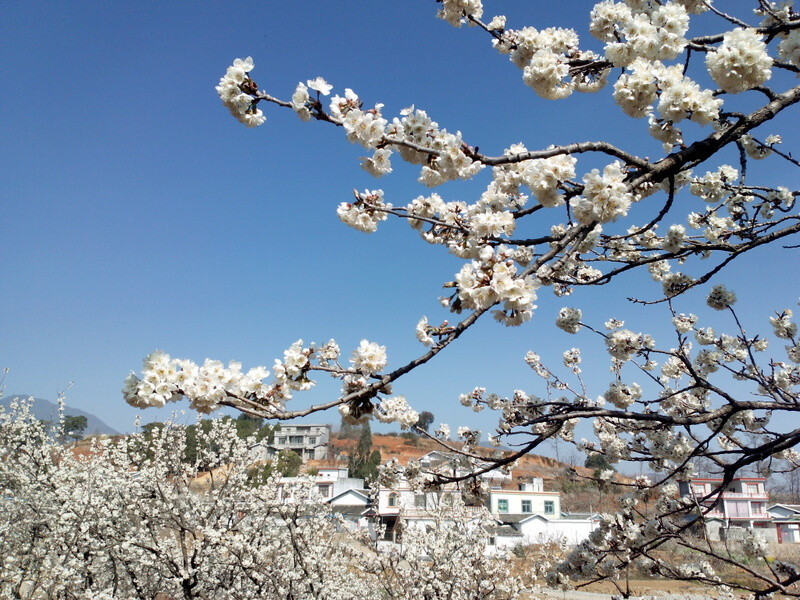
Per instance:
(527,499)
(512,504)
(353,505)
(329,482)
(332,480)
(402,506)
(537,529)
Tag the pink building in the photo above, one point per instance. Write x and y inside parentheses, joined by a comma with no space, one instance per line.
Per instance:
(741,504)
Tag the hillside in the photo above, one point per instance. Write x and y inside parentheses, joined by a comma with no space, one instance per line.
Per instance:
(405,449)
(578,495)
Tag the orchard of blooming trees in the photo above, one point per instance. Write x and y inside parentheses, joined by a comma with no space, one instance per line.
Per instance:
(132,520)
(541,224)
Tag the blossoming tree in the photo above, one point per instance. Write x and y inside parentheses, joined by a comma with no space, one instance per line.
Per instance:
(542,221)
(131,519)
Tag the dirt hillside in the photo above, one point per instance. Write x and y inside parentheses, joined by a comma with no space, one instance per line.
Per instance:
(407,448)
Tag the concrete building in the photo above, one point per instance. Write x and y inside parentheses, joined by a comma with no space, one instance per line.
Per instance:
(309,441)
(741,506)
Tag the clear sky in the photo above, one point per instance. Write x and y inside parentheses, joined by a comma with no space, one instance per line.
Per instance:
(138,215)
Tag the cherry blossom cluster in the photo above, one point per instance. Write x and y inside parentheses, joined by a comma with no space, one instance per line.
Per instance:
(494,279)
(544,57)
(542,176)
(302,102)
(212,384)
(720,298)
(366,212)
(678,97)
(789,47)
(651,31)
(605,197)
(396,410)
(166,380)
(455,11)
(448,160)
(236,90)
(741,62)
(569,319)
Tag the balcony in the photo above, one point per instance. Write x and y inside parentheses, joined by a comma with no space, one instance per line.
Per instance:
(732,496)
(760,516)
(754,516)
(738,495)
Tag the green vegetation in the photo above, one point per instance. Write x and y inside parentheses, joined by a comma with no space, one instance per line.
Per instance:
(287,464)
(599,463)
(74,426)
(363,462)
(246,426)
(425,420)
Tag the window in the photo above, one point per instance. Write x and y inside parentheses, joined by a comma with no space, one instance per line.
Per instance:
(502,506)
(393,499)
(526,506)
(295,439)
(312,440)
(491,541)
(282,440)
(737,508)
(752,488)
(549,507)
(419,501)
(324,490)
(699,489)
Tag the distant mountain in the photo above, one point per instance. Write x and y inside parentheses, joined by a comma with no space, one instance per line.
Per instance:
(44,410)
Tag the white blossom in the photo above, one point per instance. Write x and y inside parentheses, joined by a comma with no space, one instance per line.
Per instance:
(741,62)
(569,319)
(720,298)
(235,90)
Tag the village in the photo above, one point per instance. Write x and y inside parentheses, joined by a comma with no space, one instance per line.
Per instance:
(523,502)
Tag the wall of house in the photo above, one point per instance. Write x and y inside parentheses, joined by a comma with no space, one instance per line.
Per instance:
(408,501)
(573,531)
(502,543)
(766,530)
(310,441)
(513,499)
(715,530)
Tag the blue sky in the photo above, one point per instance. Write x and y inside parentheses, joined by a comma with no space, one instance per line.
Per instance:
(139,215)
